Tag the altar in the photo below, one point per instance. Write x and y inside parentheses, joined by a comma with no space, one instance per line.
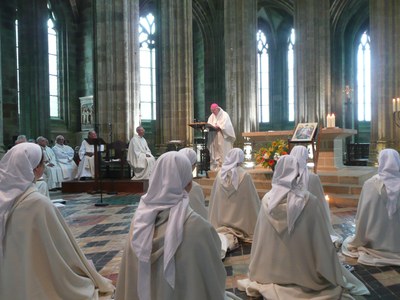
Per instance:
(331,144)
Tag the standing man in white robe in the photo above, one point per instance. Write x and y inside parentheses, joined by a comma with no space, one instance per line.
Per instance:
(171,252)
(65,157)
(292,256)
(86,168)
(139,156)
(220,141)
(53,172)
(377,236)
(39,257)
(234,202)
(312,183)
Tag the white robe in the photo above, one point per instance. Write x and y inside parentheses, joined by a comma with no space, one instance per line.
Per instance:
(200,273)
(140,158)
(86,166)
(65,157)
(377,238)
(42,260)
(54,175)
(220,142)
(197,201)
(315,188)
(301,265)
(235,211)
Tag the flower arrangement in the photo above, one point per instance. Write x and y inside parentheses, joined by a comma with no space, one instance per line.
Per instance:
(269,155)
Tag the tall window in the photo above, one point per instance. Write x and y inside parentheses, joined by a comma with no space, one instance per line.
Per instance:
(291,76)
(53,67)
(263,77)
(147,68)
(364,78)
(17,55)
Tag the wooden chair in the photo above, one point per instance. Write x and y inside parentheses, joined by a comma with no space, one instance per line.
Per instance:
(116,159)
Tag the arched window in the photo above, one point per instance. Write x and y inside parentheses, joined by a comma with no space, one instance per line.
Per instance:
(364,78)
(263,77)
(147,68)
(54,89)
(291,76)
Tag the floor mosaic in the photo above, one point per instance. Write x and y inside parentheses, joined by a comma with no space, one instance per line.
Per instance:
(101,233)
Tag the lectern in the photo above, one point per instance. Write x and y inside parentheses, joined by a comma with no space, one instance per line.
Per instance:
(204,153)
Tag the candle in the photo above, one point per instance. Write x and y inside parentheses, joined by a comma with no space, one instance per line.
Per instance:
(394,104)
(328,120)
(333,119)
(327,198)
(398,104)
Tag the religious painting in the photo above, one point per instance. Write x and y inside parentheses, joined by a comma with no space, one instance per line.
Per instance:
(304,132)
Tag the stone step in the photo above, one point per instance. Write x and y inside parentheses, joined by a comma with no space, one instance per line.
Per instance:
(342,186)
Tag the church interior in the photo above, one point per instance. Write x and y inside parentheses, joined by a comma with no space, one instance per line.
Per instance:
(68,67)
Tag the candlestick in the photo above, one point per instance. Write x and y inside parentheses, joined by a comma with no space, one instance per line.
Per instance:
(394,104)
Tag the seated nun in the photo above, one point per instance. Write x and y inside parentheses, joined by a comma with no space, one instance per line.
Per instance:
(312,183)
(292,256)
(377,234)
(234,202)
(39,258)
(196,195)
(171,252)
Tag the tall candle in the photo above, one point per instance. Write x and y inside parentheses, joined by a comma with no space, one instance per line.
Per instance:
(333,120)
(394,104)
(398,104)
(328,120)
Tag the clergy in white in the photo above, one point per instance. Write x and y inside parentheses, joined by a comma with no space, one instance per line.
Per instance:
(234,202)
(53,173)
(377,236)
(196,194)
(39,257)
(171,252)
(65,157)
(86,166)
(312,183)
(292,256)
(219,141)
(139,156)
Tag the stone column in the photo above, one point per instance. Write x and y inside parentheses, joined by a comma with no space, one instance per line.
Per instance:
(312,60)
(175,54)
(33,68)
(116,71)
(385,74)
(240,28)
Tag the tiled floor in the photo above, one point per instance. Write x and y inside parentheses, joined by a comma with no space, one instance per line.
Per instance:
(101,232)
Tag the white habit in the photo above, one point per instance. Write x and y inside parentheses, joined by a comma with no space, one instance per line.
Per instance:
(65,157)
(312,183)
(292,256)
(140,158)
(197,201)
(377,236)
(171,252)
(220,142)
(39,257)
(53,172)
(86,166)
(234,201)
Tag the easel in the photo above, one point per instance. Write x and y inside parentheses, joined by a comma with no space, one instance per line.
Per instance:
(313,140)
(202,126)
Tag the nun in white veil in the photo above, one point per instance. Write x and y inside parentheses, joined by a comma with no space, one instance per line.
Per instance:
(39,257)
(171,252)
(196,194)
(311,182)
(377,235)
(292,256)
